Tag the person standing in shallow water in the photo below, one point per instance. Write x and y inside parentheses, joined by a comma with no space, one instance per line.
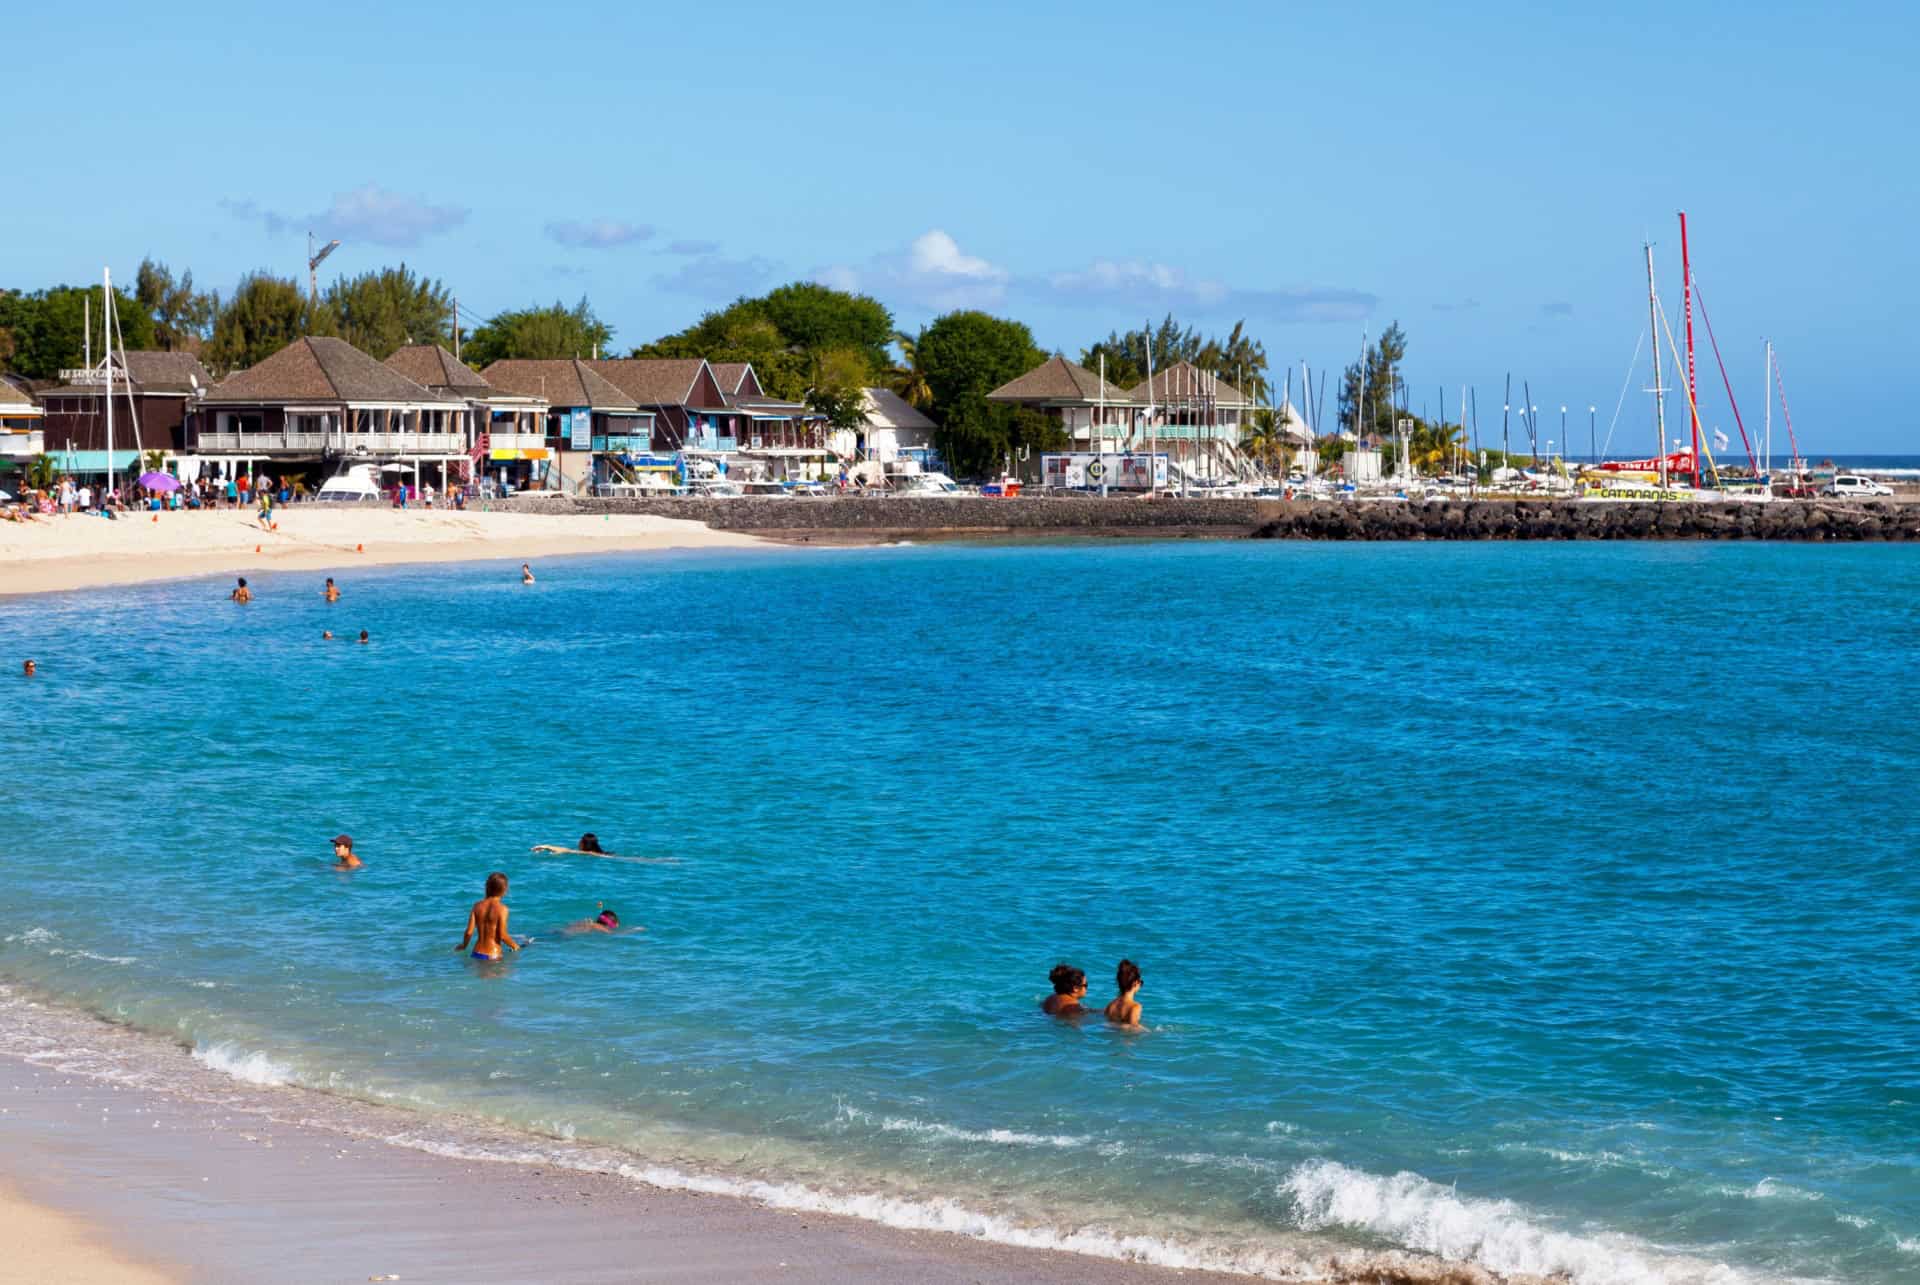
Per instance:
(487,922)
(526,574)
(241,593)
(333,590)
(1069,988)
(1125,1009)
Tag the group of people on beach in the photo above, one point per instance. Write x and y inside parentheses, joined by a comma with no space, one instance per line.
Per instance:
(1070,987)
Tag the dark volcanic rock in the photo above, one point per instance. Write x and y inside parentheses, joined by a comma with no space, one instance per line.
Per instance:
(893,516)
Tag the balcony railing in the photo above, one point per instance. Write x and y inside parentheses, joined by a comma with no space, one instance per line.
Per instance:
(345,443)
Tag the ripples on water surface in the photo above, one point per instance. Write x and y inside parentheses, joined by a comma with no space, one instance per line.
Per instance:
(1550,907)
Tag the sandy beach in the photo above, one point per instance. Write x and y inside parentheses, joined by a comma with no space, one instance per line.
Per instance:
(108,1182)
(79,552)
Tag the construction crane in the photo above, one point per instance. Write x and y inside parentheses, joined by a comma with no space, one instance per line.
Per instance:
(313,266)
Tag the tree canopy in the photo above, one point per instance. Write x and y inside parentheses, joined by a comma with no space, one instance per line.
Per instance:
(265,314)
(181,315)
(534,333)
(785,333)
(383,311)
(47,329)
(1237,358)
(963,357)
(1372,383)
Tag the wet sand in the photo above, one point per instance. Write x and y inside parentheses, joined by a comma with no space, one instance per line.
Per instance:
(208,1193)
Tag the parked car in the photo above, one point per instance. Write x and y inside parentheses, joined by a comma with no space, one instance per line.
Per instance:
(1852,485)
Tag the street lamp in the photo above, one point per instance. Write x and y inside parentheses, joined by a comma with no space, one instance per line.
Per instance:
(1593,450)
(1563,429)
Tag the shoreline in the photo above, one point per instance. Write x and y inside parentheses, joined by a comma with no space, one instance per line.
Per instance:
(279,1171)
(62,554)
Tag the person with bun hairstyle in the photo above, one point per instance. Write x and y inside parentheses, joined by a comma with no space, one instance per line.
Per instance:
(1125,1009)
(1069,986)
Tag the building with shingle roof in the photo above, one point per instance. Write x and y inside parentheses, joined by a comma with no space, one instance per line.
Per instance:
(154,393)
(1086,405)
(508,425)
(321,399)
(587,412)
(20,428)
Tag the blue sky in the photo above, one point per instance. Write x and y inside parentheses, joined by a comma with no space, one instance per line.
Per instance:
(1486,178)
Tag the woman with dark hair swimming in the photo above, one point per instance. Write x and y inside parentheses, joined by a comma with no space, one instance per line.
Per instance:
(1125,1010)
(1069,986)
(590,847)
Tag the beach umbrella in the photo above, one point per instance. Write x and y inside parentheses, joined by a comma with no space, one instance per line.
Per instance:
(160,481)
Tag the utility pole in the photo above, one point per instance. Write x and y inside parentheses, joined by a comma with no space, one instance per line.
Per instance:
(456,327)
(313,266)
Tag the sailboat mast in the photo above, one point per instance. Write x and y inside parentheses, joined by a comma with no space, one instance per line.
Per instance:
(1659,393)
(1693,392)
(106,314)
(1766,399)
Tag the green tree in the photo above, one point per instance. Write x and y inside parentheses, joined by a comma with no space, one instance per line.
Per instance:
(181,314)
(264,315)
(966,355)
(839,387)
(384,311)
(1236,358)
(1372,384)
(153,461)
(42,472)
(48,328)
(535,333)
(784,332)
(907,379)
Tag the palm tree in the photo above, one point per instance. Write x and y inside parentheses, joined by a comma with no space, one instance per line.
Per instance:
(907,379)
(1436,445)
(153,461)
(42,473)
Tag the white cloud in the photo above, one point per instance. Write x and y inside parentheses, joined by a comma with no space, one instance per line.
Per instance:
(931,271)
(1139,283)
(597,234)
(719,280)
(369,213)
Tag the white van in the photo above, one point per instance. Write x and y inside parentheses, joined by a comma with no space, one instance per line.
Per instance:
(1846,485)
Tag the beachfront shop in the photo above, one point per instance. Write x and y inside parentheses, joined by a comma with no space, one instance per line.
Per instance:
(1093,471)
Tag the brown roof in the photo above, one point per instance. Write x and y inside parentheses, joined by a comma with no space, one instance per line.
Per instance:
(728,374)
(1058,380)
(558,381)
(432,366)
(654,381)
(318,368)
(151,372)
(11,396)
(1183,380)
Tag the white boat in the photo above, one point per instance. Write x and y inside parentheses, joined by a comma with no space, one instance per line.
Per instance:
(357,484)
(924,484)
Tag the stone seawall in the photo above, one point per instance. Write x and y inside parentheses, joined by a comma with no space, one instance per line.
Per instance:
(892,517)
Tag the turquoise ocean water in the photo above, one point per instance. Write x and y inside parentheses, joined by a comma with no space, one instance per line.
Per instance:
(1548,907)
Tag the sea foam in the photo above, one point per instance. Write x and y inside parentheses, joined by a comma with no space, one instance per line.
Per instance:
(1496,1234)
(249,1066)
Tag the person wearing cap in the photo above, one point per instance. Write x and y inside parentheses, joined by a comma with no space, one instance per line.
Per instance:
(343,853)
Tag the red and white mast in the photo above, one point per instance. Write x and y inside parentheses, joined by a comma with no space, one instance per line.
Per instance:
(1693,403)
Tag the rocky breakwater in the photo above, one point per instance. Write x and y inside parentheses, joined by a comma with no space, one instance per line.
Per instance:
(895,516)
(869,518)
(1572,520)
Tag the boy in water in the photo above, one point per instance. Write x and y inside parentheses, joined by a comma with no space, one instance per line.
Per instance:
(241,593)
(343,858)
(487,921)
(333,591)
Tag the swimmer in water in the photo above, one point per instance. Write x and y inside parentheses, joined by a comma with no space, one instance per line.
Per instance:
(333,590)
(1069,988)
(589,847)
(29,671)
(604,922)
(526,574)
(326,635)
(363,635)
(241,593)
(487,922)
(1125,1009)
(343,858)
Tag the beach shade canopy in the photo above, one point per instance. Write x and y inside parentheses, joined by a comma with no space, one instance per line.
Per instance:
(397,468)
(160,481)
